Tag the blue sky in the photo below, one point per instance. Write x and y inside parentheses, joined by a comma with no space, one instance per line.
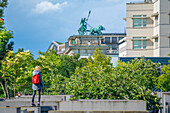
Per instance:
(36,23)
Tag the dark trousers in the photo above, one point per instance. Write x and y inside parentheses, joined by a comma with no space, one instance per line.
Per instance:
(39,95)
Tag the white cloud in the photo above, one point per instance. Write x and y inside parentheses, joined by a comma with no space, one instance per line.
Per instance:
(46,6)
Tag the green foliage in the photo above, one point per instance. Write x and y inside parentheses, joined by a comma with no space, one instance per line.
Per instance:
(99,80)
(58,85)
(69,64)
(91,81)
(50,64)
(16,71)
(136,80)
(93,78)
(164,79)
(56,69)
(5,35)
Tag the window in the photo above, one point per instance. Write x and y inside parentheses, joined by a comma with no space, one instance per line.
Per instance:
(114,46)
(88,42)
(73,41)
(156,20)
(80,41)
(114,40)
(139,21)
(107,40)
(102,41)
(139,42)
(115,51)
(156,43)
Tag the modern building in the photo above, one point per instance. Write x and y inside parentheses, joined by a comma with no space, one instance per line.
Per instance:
(147,29)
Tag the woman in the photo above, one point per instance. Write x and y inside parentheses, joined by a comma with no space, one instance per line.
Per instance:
(38,87)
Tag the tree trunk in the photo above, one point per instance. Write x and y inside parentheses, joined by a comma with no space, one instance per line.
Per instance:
(3,89)
(7,93)
(14,90)
(6,89)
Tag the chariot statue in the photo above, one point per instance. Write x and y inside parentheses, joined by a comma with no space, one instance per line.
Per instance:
(92,31)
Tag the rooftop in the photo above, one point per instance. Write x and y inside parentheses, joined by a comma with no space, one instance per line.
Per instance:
(141,2)
(114,34)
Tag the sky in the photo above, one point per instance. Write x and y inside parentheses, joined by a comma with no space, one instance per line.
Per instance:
(36,23)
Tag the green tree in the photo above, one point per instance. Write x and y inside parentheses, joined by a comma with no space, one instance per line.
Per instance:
(56,69)
(16,71)
(163,81)
(5,35)
(50,64)
(91,81)
(136,80)
(99,80)
(69,64)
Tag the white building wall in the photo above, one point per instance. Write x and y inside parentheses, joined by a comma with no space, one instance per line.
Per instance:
(164,28)
(157,32)
(122,48)
(139,9)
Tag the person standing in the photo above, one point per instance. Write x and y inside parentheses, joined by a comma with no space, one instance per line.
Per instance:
(38,85)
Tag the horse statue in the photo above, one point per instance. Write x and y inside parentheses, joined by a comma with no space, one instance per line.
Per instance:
(93,31)
(96,31)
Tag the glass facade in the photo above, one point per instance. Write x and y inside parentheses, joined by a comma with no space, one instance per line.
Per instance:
(138,43)
(139,21)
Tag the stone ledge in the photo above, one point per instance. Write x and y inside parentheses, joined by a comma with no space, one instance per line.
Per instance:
(54,111)
(10,110)
(103,105)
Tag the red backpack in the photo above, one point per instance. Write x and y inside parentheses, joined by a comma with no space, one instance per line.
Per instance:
(36,79)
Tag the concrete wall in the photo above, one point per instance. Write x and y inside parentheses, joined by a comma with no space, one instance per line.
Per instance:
(35,109)
(85,106)
(165,101)
(10,110)
(98,112)
(103,105)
